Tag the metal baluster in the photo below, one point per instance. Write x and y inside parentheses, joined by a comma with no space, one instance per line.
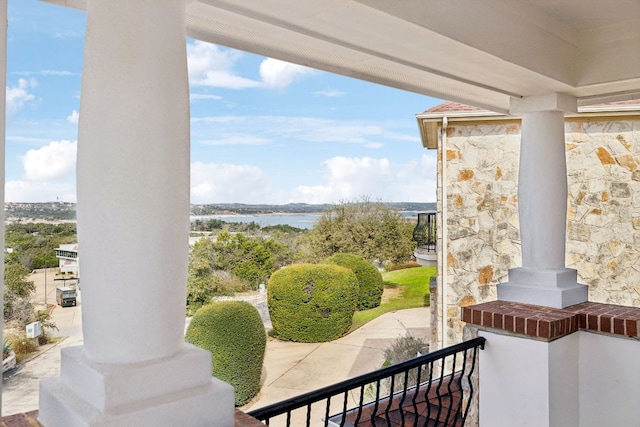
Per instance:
(450,392)
(416,394)
(355,423)
(374,414)
(426,394)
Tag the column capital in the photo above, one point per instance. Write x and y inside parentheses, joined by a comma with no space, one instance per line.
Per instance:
(549,102)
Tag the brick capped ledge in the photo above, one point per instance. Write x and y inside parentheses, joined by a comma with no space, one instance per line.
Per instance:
(550,323)
(608,318)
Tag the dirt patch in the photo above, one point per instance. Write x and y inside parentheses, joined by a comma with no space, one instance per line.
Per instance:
(390,293)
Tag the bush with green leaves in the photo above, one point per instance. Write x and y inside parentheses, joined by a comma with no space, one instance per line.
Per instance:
(312,302)
(370,280)
(234,334)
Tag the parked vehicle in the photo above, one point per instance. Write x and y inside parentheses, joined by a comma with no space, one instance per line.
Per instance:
(65,296)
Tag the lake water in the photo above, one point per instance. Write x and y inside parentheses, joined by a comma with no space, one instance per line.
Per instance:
(304,221)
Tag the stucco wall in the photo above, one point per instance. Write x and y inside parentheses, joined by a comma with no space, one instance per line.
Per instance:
(481,210)
(584,379)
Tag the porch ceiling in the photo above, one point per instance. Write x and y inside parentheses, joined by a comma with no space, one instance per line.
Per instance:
(478,52)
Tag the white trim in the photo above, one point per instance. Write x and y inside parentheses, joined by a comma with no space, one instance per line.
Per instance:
(445,231)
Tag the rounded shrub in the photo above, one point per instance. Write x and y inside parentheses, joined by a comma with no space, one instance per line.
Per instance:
(312,302)
(370,280)
(234,334)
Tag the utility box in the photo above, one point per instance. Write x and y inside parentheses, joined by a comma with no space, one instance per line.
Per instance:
(34,330)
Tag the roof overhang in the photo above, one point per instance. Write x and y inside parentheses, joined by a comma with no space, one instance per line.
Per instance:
(480,52)
(431,124)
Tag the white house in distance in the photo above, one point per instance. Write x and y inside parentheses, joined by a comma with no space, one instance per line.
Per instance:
(533,60)
(69,262)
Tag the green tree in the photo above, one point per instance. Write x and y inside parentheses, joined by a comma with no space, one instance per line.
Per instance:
(232,263)
(18,309)
(204,281)
(34,244)
(15,280)
(251,259)
(371,230)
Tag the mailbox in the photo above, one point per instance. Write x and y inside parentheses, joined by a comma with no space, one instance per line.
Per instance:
(34,330)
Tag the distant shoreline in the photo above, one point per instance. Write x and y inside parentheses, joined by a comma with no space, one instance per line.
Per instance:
(65,212)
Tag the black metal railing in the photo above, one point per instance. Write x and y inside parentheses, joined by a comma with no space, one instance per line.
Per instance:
(425,231)
(436,389)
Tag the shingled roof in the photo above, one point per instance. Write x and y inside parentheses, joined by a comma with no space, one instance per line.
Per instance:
(451,107)
(457,107)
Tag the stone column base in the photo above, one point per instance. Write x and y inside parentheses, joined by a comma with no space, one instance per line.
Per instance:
(176,391)
(549,288)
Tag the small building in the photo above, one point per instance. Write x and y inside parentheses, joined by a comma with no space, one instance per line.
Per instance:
(68,258)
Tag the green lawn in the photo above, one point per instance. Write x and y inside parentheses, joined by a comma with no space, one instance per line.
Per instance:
(413,287)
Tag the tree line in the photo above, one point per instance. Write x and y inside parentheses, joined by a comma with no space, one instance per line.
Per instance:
(235,257)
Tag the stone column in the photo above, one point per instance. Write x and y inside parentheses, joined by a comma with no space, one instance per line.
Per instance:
(543,278)
(133,226)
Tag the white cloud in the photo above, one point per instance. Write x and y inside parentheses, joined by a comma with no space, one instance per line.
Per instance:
(28,191)
(214,66)
(218,119)
(224,183)
(56,73)
(235,140)
(46,73)
(329,93)
(374,145)
(28,140)
(324,130)
(349,178)
(211,65)
(368,133)
(19,95)
(419,179)
(278,74)
(54,161)
(73,117)
(66,34)
(203,96)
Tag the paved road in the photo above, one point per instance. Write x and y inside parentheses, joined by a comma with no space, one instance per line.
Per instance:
(20,387)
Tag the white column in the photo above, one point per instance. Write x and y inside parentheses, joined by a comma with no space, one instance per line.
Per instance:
(133,222)
(543,278)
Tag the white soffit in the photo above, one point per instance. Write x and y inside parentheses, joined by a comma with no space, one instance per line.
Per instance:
(478,52)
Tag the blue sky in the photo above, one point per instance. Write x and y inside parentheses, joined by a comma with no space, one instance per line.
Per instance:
(262,130)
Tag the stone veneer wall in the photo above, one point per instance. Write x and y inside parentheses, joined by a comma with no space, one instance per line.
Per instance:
(603,166)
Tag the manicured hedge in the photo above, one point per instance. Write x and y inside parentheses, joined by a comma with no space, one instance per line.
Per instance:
(234,334)
(370,280)
(312,302)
